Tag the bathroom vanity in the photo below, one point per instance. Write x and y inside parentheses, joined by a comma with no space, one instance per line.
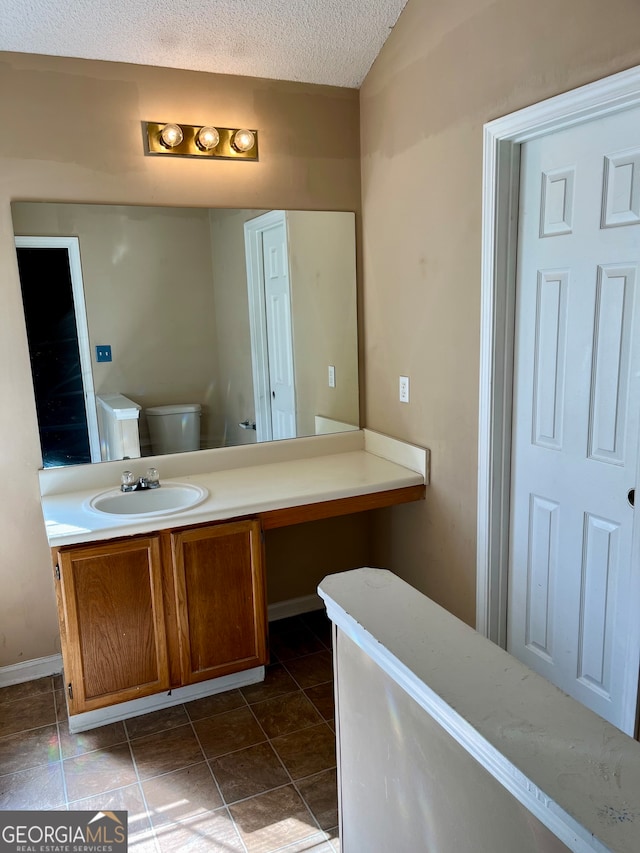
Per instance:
(163,606)
(151,613)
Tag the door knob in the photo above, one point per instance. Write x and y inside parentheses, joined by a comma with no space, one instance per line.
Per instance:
(631,497)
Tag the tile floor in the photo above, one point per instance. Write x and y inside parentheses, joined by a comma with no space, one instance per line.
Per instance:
(250,770)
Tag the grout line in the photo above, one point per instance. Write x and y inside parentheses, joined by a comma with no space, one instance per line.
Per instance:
(292,781)
(259,794)
(192,826)
(292,675)
(246,701)
(317,722)
(278,696)
(303,779)
(136,738)
(234,751)
(26,731)
(168,772)
(58,722)
(295,785)
(147,809)
(215,781)
(315,634)
(293,845)
(281,696)
(50,689)
(288,784)
(317,773)
(91,751)
(321,651)
(259,724)
(217,713)
(65,791)
(286,769)
(309,686)
(206,761)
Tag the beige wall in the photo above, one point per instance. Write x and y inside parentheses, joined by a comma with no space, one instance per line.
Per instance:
(298,556)
(322,261)
(91,151)
(446,69)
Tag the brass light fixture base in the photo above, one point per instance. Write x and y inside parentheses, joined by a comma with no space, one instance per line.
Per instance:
(224,150)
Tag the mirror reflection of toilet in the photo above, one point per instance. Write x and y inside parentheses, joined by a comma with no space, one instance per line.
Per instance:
(175,428)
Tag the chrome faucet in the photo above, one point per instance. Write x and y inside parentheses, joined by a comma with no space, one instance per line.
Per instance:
(130,483)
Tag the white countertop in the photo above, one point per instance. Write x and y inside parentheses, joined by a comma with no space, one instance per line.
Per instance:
(241,491)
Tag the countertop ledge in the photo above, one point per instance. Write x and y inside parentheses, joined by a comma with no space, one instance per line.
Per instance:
(247,490)
(574,771)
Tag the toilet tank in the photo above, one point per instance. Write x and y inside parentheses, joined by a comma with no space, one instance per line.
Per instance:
(174,429)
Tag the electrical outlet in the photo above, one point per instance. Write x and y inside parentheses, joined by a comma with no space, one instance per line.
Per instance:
(103,352)
(332,376)
(404,389)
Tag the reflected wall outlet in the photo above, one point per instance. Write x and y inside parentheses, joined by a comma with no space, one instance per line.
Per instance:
(404,389)
(332,376)
(103,352)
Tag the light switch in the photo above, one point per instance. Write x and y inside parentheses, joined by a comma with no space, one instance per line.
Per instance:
(332,376)
(103,352)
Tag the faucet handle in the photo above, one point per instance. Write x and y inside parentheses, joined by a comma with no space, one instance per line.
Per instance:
(127,481)
(152,478)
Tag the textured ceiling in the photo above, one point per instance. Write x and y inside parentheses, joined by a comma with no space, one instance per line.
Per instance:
(314,41)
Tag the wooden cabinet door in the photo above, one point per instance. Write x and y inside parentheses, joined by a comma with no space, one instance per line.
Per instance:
(112,620)
(220,599)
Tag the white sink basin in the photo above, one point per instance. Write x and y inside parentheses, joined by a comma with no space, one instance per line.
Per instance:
(169,498)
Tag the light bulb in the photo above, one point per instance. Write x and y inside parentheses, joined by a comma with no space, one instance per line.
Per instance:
(171,135)
(207,138)
(243,140)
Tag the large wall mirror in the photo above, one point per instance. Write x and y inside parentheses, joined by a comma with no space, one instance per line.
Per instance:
(243,322)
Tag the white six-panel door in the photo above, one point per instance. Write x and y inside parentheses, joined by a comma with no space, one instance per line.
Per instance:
(576,411)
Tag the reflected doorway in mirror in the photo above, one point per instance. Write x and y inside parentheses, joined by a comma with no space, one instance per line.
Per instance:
(266,245)
(57,331)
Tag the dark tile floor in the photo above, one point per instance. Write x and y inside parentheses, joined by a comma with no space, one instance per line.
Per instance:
(251,770)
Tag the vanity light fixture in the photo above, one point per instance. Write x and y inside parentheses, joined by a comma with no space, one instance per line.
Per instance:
(187,140)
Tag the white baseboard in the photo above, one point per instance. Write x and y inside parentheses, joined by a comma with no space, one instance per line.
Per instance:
(29,670)
(295,606)
(136,707)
